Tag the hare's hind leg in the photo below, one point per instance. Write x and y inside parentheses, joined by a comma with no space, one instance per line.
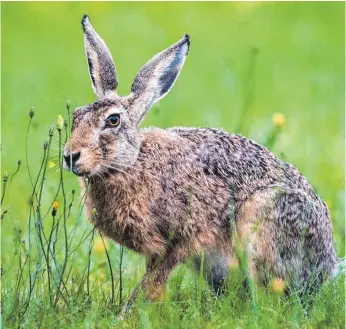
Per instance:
(214,265)
(286,234)
(255,240)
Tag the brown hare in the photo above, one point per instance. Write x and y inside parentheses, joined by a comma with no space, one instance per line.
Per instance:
(173,193)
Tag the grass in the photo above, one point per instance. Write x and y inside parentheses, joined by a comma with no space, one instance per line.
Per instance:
(247,62)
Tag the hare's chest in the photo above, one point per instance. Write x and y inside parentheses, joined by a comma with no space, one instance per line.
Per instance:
(126,222)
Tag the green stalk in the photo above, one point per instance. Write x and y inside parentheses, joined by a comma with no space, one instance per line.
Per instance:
(31,115)
(110,267)
(65,228)
(5,179)
(121,276)
(38,211)
(32,209)
(89,261)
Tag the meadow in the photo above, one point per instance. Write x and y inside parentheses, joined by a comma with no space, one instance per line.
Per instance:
(273,72)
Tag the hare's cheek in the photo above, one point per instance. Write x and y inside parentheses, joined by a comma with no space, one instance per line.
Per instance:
(107,144)
(89,159)
(104,145)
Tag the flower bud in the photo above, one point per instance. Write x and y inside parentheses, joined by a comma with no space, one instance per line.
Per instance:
(31,112)
(51,131)
(60,122)
(68,105)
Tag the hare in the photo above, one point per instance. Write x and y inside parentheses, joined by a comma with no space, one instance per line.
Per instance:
(173,193)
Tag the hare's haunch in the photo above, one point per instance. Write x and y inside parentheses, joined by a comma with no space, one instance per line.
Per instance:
(172,193)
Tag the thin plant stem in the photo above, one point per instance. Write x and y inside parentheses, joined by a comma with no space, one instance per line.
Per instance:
(64,223)
(121,275)
(89,261)
(110,268)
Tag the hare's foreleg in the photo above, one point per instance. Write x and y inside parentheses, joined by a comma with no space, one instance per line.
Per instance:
(155,279)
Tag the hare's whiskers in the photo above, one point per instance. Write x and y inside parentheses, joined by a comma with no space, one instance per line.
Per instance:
(113,162)
(103,179)
(117,169)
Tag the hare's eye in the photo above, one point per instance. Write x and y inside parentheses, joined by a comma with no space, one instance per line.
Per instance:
(113,120)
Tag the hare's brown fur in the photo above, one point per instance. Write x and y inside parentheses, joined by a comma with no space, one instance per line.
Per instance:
(172,193)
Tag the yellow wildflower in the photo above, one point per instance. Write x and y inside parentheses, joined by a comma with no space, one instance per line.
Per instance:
(60,122)
(233,263)
(278,285)
(55,204)
(278,120)
(55,207)
(98,245)
(51,164)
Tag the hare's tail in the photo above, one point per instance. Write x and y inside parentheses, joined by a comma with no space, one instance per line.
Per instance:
(340,267)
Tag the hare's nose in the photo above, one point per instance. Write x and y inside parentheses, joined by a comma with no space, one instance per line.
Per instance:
(71,157)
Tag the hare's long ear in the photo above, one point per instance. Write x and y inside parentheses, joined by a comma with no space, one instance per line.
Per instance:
(157,77)
(101,66)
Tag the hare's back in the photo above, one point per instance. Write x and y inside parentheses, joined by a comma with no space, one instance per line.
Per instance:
(244,163)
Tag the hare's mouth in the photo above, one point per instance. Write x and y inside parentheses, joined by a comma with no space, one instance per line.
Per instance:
(80,173)
(77,172)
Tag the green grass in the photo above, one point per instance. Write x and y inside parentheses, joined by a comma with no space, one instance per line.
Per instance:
(247,61)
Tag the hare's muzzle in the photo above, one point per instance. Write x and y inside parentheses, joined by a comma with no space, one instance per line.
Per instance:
(71,160)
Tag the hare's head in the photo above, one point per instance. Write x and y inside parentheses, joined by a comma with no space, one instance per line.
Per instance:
(105,133)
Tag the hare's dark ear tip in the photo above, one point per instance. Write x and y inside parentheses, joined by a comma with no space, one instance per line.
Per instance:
(186,39)
(85,21)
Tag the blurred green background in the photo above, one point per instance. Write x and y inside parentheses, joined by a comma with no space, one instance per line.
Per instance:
(248,60)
